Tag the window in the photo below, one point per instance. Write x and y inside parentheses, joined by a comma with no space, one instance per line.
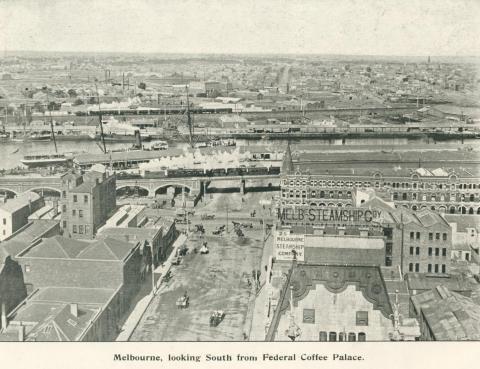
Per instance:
(430,236)
(444,252)
(417,251)
(80,229)
(437,236)
(74,198)
(332,336)
(74,228)
(436,268)
(64,194)
(412,234)
(87,229)
(429,268)
(352,337)
(437,251)
(362,317)
(64,208)
(80,213)
(85,199)
(323,336)
(74,212)
(362,337)
(430,251)
(341,337)
(444,237)
(417,267)
(411,250)
(64,224)
(418,235)
(444,268)
(309,316)
(410,267)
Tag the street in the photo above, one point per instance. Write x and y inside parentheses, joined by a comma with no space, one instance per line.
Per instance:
(215,281)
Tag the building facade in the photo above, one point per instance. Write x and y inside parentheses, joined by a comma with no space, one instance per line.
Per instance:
(87,201)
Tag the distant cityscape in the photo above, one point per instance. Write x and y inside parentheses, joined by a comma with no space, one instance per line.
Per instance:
(176,197)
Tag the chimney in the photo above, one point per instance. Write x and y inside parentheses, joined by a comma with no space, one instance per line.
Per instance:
(21,333)
(74,310)
(4,317)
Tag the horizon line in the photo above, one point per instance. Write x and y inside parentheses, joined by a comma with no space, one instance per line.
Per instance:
(6,51)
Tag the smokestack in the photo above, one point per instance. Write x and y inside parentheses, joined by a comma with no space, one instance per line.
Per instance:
(4,317)
(21,333)
(74,310)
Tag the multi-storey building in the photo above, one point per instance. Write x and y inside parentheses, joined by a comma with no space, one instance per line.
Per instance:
(87,201)
(443,190)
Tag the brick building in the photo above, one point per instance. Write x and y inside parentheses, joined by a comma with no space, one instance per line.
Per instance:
(80,289)
(335,184)
(87,201)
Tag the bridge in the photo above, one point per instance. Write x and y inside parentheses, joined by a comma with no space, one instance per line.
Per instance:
(18,184)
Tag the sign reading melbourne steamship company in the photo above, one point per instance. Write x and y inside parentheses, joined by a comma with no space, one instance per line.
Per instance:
(285,243)
(327,215)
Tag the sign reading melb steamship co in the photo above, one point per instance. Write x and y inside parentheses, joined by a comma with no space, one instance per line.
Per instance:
(286,242)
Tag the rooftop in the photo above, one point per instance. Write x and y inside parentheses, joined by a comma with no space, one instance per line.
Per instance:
(59,247)
(449,315)
(19,202)
(420,281)
(26,235)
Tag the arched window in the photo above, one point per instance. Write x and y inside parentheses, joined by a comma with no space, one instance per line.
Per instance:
(323,336)
(341,337)
(362,337)
(332,336)
(452,210)
(404,196)
(471,211)
(322,194)
(352,337)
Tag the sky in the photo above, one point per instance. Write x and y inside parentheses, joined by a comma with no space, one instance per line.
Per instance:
(350,27)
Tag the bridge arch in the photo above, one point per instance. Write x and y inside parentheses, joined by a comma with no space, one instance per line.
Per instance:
(177,186)
(47,192)
(132,189)
(7,192)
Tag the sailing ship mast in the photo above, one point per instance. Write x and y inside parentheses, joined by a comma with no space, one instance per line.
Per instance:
(100,118)
(51,122)
(189,121)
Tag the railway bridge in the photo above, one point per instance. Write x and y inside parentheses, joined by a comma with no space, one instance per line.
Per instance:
(41,184)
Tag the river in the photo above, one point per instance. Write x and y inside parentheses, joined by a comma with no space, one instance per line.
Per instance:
(12,152)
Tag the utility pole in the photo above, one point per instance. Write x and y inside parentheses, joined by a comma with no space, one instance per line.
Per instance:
(154,289)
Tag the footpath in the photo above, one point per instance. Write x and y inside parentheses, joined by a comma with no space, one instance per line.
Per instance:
(142,305)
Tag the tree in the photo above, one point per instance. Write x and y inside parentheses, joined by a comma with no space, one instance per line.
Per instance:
(142,85)
(72,93)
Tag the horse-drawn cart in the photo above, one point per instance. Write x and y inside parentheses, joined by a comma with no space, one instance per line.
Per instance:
(216,318)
